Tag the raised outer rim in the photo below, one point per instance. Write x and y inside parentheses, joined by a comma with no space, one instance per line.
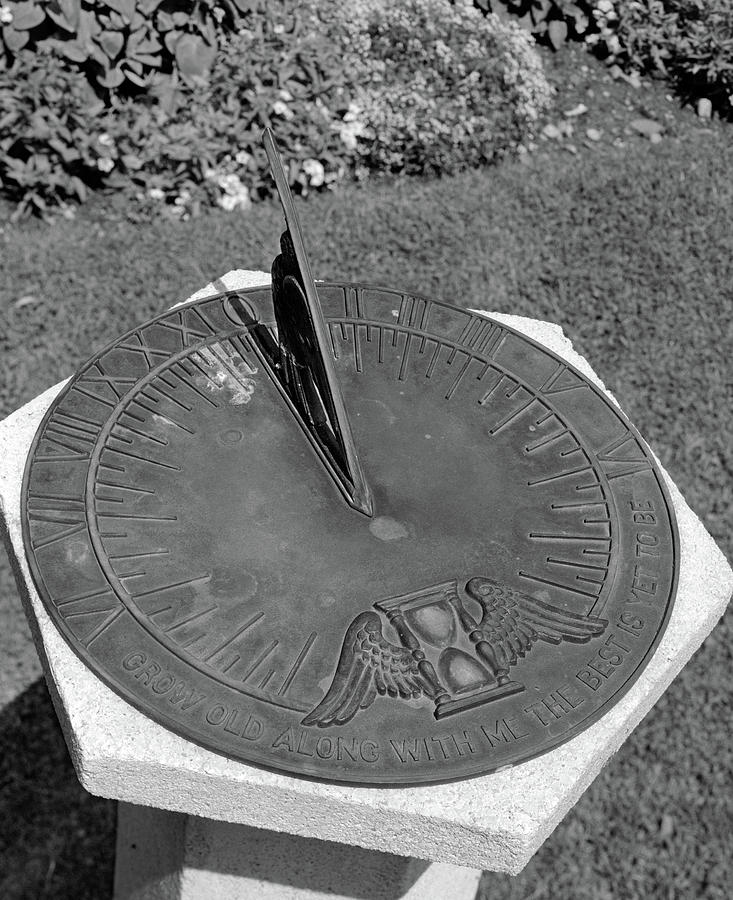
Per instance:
(355,782)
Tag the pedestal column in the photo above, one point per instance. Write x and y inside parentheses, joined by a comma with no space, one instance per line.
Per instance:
(172,856)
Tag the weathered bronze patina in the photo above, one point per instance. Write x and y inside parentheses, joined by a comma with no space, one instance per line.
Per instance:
(387,543)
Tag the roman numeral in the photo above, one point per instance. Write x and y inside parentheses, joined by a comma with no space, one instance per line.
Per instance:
(58,535)
(90,613)
(623,456)
(51,504)
(67,436)
(144,349)
(113,387)
(62,427)
(563,379)
(182,325)
(58,517)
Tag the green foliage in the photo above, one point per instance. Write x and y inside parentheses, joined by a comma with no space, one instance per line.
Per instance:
(550,21)
(690,41)
(203,144)
(121,45)
(195,141)
(445,89)
(332,81)
(48,147)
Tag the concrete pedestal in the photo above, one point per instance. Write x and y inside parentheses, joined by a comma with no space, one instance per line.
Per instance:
(203,836)
(171,856)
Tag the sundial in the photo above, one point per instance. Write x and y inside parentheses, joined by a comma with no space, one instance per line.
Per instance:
(349,533)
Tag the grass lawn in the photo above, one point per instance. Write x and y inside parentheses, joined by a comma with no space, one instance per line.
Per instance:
(627,245)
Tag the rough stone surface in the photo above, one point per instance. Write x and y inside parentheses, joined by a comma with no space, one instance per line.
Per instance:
(493,822)
(150,854)
(198,858)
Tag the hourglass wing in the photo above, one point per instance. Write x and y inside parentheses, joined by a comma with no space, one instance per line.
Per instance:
(513,622)
(369,665)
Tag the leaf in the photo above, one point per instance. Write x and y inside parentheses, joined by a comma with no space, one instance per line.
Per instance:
(39,126)
(557,32)
(72,12)
(208,32)
(168,95)
(143,41)
(525,22)
(199,13)
(67,153)
(125,8)
(97,54)
(113,22)
(179,152)
(581,23)
(135,37)
(164,21)
(111,42)
(88,27)
(171,40)
(14,40)
(111,79)
(79,187)
(27,15)
(539,10)
(60,19)
(131,161)
(231,7)
(194,56)
(139,80)
(148,59)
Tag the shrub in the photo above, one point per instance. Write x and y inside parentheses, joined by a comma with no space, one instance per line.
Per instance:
(550,21)
(191,142)
(121,45)
(203,144)
(48,148)
(331,80)
(689,41)
(445,88)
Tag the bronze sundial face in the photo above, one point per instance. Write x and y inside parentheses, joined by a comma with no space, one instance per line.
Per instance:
(441,553)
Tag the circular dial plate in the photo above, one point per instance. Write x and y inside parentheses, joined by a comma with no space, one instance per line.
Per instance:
(187,539)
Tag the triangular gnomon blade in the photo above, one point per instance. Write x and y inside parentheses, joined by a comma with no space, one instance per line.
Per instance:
(306,368)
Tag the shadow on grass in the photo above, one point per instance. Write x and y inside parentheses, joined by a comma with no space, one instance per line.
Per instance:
(56,841)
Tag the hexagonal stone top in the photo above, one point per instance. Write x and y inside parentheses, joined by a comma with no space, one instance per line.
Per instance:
(494,822)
